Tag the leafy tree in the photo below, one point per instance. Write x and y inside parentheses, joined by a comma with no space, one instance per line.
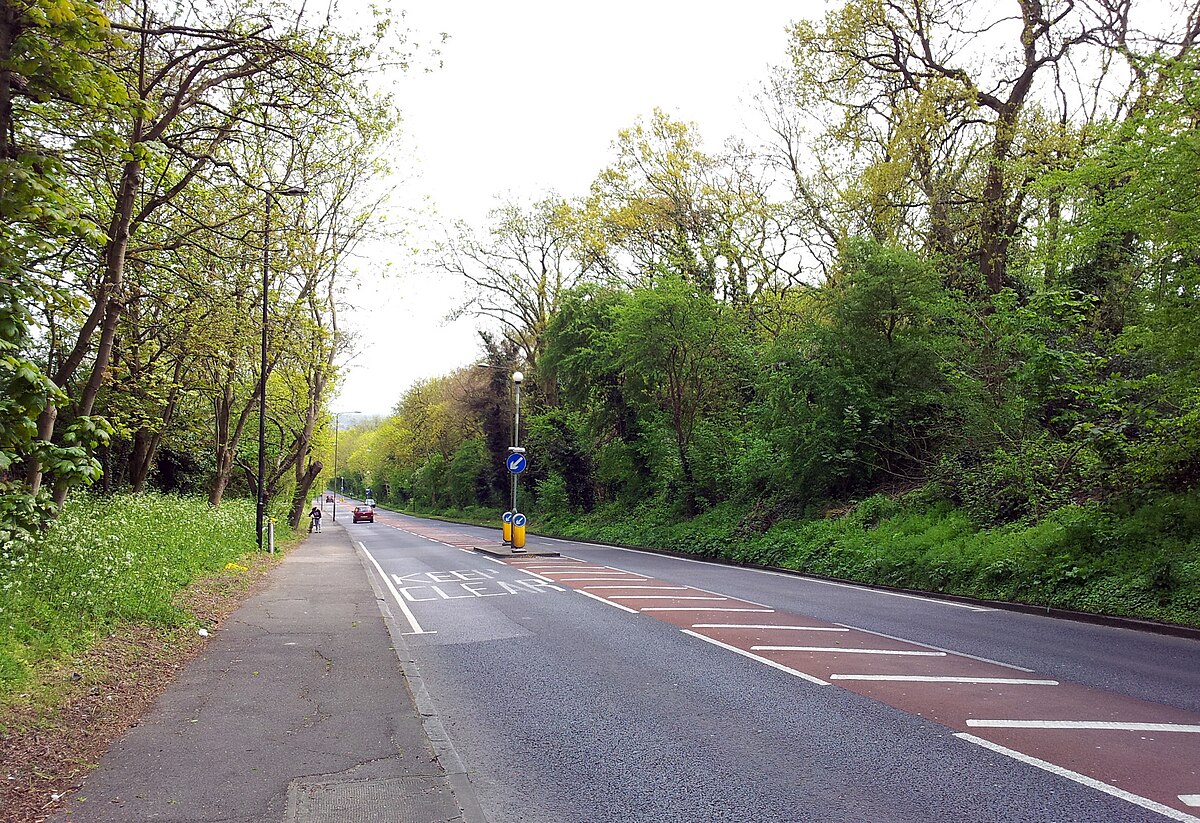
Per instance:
(680,353)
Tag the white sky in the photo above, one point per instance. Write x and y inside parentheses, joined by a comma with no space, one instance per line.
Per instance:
(529,99)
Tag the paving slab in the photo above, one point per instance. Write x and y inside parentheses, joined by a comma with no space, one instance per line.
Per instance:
(298,710)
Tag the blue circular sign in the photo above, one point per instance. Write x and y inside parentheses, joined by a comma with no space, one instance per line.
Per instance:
(508,517)
(516,463)
(518,520)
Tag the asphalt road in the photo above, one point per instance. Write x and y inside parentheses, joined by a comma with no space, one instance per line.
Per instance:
(613,685)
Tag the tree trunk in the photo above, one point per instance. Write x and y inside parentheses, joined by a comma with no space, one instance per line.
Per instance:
(304,484)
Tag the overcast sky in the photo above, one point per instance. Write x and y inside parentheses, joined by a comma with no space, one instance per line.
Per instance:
(529,99)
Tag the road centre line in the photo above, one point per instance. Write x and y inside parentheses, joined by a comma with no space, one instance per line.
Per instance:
(412,620)
(921,678)
(818,681)
(700,609)
(939,648)
(767,626)
(1102,725)
(607,602)
(840,650)
(1091,783)
(662,597)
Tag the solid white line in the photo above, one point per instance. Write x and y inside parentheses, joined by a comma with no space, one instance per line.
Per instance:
(607,602)
(920,678)
(596,579)
(700,609)
(1103,725)
(1090,782)
(939,648)
(648,588)
(766,626)
(763,660)
(412,620)
(839,650)
(1190,799)
(662,597)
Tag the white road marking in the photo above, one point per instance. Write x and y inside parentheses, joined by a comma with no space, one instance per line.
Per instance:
(412,620)
(763,660)
(648,588)
(495,560)
(920,678)
(608,602)
(700,609)
(1091,783)
(662,597)
(598,579)
(840,650)
(1103,725)
(799,576)
(766,626)
(939,648)
(1190,799)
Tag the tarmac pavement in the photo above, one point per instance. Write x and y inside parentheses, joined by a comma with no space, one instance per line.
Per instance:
(299,710)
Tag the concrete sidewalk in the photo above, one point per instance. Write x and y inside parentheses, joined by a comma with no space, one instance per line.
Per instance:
(299,710)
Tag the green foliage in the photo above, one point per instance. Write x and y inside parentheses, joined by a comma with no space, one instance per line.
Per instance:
(105,561)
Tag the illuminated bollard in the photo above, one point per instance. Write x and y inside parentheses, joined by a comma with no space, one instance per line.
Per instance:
(508,530)
(518,532)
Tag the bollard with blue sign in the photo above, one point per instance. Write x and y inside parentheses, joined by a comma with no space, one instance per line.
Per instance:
(518,532)
(508,518)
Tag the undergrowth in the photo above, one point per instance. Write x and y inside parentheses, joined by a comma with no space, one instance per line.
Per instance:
(1136,558)
(107,561)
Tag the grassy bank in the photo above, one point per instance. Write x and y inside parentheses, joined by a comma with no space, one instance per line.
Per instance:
(1134,560)
(107,562)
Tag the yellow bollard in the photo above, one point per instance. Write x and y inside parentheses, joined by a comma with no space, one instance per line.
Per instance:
(518,531)
(508,527)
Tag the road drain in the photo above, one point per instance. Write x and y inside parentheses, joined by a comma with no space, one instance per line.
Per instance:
(392,800)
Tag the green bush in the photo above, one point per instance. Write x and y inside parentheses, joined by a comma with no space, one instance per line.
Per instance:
(109,560)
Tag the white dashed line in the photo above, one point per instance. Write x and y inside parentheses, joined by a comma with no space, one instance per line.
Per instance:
(1190,799)
(1091,783)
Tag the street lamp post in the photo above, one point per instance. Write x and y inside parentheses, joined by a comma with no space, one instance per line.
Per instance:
(337,490)
(261,507)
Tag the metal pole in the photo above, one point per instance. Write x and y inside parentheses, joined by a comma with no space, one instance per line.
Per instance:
(516,439)
(261,508)
(335,477)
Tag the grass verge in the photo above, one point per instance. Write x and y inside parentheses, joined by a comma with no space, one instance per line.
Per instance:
(99,619)
(1133,558)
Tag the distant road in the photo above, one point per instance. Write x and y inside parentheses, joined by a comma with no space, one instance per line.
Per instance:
(613,685)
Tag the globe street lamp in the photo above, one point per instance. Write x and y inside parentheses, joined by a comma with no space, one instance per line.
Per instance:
(336,426)
(271,192)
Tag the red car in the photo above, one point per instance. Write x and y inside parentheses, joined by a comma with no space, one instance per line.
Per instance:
(364,513)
